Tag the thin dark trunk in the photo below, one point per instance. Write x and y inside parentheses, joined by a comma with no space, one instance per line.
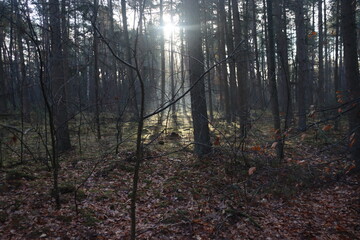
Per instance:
(96,71)
(3,89)
(258,85)
(232,76)
(241,72)
(130,83)
(224,87)
(208,77)
(162,60)
(352,75)
(336,67)
(320,90)
(301,63)
(272,82)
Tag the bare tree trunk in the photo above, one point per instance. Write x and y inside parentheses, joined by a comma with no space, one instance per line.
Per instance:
(57,78)
(131,78)
(258,85)
(3,82)
(327,74)
(96,71)
(209,76)
(348,8)
(232,70)
(25,101)
(272,82)
(182,69)
(301,63)
(320,90)
(162,59)
(224,87)
(336,67)
(197,94)
(283,66)
(241,72)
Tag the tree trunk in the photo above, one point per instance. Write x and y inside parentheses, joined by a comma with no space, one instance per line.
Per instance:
(258,85)
(58,81)
(224,87)
(197,94)
(96,71)
(3,82)
(130,84)
(348,8)
(336,67)
(241,71)
(301,63)
(209,75)
(272,82)
(320,90)
(162,60)
(284,70)
(232,70)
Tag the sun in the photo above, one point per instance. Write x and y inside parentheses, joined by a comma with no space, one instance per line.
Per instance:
(169,28)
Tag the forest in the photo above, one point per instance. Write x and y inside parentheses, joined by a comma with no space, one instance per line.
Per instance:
(179,119)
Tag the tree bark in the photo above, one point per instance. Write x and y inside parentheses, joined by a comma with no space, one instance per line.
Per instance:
(272,82)
(320,90)
(224,87)
(162,60)
(348,8)
(197,94)
(130,84)
(58,82)
(258,85)
(96,72)
(301,60)
(241,72)
(232,70)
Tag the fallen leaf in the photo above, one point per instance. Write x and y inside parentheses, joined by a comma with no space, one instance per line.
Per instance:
(327,127)
(303,136)
(252,170)
(274,144)
(256,148)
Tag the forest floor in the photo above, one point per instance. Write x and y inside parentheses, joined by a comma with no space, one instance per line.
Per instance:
(308,196)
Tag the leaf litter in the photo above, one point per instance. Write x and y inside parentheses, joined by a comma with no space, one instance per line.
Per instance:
(181,197)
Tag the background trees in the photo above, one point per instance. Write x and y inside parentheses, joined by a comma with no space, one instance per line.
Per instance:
(292,59)
(79,74)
